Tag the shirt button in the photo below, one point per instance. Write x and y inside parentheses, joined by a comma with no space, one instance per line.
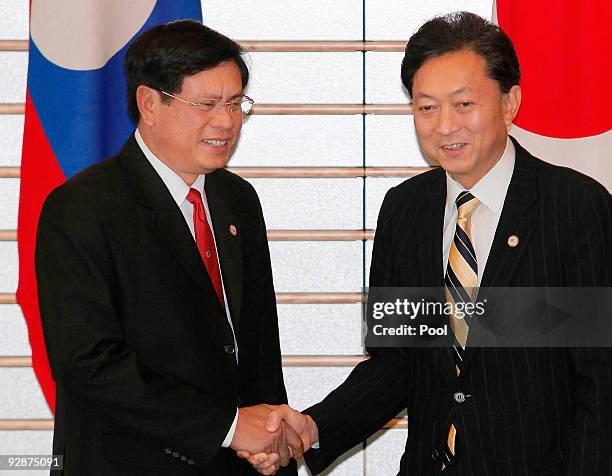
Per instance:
(229,349)
(207,254)
(459,397)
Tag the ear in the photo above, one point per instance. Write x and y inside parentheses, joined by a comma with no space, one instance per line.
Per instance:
(511,103)
(147,99)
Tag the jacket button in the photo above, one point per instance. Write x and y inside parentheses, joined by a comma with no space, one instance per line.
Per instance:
(434,454)
(168,451)
(183,458)
(459,397)
(229,349)
(191,462)
(175,454)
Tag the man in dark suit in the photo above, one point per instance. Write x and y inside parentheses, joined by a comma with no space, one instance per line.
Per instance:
(155,282)
(493,216)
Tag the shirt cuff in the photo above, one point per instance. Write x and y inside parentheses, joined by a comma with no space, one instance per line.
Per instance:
(230,434)
(316,446)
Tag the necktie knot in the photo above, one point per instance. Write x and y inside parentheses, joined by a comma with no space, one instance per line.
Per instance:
(466,204)
(195,198)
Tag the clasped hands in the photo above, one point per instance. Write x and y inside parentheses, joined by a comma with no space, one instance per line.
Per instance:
(268,436)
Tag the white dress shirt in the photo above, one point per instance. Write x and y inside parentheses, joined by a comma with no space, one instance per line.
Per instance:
(179,191)
(491,190)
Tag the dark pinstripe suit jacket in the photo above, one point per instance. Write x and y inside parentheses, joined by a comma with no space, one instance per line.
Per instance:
(532,411)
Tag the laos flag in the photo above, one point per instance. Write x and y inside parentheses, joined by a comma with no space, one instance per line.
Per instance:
(76,113)
(565,54)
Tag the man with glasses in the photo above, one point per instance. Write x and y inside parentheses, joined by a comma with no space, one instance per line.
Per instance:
(155,282)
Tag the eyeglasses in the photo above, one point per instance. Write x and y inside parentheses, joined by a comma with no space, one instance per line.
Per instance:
(242,104)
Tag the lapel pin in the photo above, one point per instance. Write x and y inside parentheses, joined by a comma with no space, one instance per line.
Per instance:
(513,241)
(233,230)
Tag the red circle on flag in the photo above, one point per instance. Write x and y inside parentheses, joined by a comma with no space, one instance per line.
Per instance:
(566,71)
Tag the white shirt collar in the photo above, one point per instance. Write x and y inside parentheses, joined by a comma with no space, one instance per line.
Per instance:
(490,189)
(176,186)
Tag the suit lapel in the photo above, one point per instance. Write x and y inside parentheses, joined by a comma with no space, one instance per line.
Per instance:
(227,231)
(417,263)
(172,230)
(504,258)
(432,241)
(167,221)
(433,235)
(417,236)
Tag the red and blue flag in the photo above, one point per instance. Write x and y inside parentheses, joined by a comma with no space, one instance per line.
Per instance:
(76,114)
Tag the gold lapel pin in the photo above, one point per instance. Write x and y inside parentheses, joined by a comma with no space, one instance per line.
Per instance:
(513,240)
(233,230)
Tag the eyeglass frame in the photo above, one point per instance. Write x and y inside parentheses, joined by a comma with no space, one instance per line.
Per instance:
(224,105)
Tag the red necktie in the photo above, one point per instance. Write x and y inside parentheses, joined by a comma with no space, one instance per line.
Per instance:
(205,242)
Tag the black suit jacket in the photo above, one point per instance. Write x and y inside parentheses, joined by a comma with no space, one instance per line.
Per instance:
(140,349)
(532,411)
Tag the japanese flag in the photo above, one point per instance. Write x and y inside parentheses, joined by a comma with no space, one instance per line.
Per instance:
(565,53)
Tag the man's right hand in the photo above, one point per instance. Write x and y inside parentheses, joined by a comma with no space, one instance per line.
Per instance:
(254,435)
(267,463)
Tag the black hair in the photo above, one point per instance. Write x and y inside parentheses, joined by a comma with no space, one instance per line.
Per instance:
(462,31)
(164,55)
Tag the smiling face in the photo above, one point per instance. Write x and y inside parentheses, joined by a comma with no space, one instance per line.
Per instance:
(460,115)
(188,140)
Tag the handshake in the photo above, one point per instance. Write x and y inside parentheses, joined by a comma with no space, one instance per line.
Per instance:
(268,436)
